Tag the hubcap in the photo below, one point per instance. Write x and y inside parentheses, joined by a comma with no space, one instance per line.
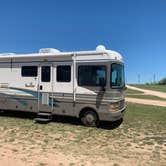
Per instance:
(90,118)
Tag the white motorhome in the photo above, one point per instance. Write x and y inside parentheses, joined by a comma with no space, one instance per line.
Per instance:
(86,84)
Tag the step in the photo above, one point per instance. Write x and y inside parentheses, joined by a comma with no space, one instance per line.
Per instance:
(44,120)
(44,114)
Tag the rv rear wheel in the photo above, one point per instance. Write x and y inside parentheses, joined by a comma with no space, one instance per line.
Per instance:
(90,119)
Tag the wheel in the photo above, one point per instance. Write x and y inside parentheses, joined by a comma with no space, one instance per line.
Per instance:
(90,119)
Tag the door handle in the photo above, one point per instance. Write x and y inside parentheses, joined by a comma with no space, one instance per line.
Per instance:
(41,87)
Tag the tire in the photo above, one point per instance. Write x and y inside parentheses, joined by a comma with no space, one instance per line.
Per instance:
(90,119)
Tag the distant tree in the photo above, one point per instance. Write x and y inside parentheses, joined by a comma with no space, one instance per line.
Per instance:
(162,81)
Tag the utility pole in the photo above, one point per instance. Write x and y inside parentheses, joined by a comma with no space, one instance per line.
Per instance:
(154,78)
(139,78)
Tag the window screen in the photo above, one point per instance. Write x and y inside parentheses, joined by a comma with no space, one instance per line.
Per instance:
(45,74)
(91,75)
(29,71)
(64,73)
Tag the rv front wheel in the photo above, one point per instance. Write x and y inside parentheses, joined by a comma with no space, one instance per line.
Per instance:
(90,119)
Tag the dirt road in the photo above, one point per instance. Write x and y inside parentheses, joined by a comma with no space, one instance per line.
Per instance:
(148,101)
(148,92)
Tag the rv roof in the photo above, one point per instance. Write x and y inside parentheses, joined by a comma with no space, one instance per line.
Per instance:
(105,54)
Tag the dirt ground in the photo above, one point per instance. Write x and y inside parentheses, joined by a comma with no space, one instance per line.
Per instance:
(36,153)
(146,101)
(134,142)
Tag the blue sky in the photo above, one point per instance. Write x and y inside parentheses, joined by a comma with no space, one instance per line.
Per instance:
(135,28)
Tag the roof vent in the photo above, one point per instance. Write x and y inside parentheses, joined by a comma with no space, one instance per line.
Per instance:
(100,48)
(48,50)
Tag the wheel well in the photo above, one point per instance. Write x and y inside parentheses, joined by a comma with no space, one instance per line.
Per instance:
(87,109)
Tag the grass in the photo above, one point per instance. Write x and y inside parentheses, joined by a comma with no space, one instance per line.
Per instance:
(142,113)
(142,126)
(161,88)
(130,91)
(145,97)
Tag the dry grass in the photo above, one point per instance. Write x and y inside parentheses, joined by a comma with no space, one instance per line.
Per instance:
(139,140)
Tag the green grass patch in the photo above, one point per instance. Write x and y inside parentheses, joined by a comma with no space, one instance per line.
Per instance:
(130,91)
(143,113)
(145,97)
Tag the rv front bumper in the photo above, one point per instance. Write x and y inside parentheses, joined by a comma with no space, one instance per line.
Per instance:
(112,115)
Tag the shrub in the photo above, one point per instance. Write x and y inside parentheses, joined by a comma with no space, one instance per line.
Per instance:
(162,81)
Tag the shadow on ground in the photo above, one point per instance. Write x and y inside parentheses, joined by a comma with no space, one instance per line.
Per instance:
(61,119)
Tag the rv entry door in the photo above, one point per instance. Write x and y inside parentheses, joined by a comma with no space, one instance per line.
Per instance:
(45,87)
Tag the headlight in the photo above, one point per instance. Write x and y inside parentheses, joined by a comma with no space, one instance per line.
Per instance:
(114,106)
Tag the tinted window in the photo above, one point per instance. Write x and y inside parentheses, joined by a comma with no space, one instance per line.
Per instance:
(63,73)
(29,71)
(45,74)
(91,75)
(117,76)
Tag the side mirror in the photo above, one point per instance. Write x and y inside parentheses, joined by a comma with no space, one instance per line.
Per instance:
(102,83)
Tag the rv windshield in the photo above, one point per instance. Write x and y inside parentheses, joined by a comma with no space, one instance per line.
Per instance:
(117,76)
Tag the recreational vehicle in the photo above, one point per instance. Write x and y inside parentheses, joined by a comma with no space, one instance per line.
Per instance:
(85,84)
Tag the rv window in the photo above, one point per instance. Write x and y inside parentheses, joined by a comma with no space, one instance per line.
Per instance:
(45,74)
(91,75)
(64,73)
(117,76)
(29,71)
